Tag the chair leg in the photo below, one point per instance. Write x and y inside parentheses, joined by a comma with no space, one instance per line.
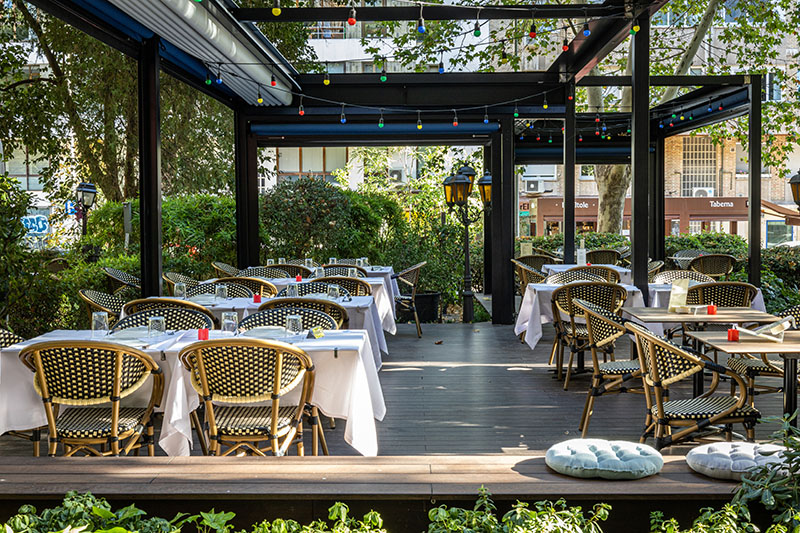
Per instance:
(151,446)
(416,321)
(569,367)
(199,430)
(36,436)
(587,408)
(553,350)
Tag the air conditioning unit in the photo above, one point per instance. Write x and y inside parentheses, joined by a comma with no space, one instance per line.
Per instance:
(702,192)
(534,186)
(396,174)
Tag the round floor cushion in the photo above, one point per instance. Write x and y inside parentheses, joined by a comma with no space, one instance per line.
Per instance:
(607,459)
(729,460)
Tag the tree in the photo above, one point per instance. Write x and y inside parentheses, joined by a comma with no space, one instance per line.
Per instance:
(742,37)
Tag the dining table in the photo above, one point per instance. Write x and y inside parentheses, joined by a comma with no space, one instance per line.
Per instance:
(624,273)
(346,383)
(788,350)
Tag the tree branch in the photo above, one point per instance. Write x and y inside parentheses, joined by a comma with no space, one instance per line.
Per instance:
(27,82)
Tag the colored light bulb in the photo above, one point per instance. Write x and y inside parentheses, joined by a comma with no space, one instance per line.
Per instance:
(421,25)
(276,8)
(477,31)
(565,46)
(301,111)
(327,79)
(351,20)
(532,33)
(586,31)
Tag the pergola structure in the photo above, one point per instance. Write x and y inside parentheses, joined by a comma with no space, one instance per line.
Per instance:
(214,46)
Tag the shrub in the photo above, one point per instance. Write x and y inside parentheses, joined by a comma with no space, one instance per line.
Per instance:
(707,241)
(732,518)
(784,262)
(778,295)
(592,239)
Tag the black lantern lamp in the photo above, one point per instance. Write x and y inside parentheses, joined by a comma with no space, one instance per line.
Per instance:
(469,172)
(84,196)
(794,184)
(485,188)
(457,190)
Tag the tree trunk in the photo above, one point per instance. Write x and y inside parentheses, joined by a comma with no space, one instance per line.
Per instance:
(612,184)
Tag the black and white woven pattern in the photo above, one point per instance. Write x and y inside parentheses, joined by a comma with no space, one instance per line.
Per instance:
(224,269)
(791,311)
(246,421)
(123,278)
(295,270)
(536,261)
(336,270)
(682,258)
(314,287)
(235,290)
(256,285)
(702,408)
(603,257)
(653,268)
(619,368)
(95,422)
(722,294)
(608,274)
(102,301)
(571,276)
(714,265)
(668,276)
(147,304)
(7,338)
(605,324)
(173,277)
(355,286)
(267,272)
(301,262)
(276,316)
(175,318)
(330,309)
(753,367)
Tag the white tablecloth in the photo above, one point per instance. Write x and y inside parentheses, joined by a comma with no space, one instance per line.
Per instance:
(346,386)
(624,273)
(537,309)
(385,273)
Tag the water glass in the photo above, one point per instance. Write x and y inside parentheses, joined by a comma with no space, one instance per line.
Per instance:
(364,262)
(281,260)
(319,272)
(180,290)
(352,273)
(294,323)
(221,292)
(156,326)
(270,262)
(230,321)
(309,263)
(99,324)
(331,260)
(359,262)
(333,291)
(292,291)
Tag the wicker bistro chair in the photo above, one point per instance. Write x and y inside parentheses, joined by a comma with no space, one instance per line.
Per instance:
(101,301)
(256,285)
(7,339)
(331,309)
(235,290)
(682,258)
(716,266)
(570,333)
(668,276)
(604,328)
(295,270)
(343,270)
(313,287)
(608,274)
(241,372)
(224,269)
(146,304)
(84,375)
(571,276)
(301,262)
(537,261)
(653,268)
(408,302)
(121,280)
(674,421)
(722,293)
(603,257)
(276,316)
(355,286)
(263,272)
(526,275)
(171,278)
(175,318)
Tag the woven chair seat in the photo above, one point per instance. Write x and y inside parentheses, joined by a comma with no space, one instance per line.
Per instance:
(262,272)
(581,331)
(701,408)
(619,368)
(747,366)
(235,290)
(403,298)
(245,421)
(7,338)
(95,422)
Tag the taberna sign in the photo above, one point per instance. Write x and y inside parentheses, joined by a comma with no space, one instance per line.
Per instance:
(36,224)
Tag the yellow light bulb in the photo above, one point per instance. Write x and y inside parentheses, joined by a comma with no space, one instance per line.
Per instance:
(326,82)
(419,126)
(545,106)
(276,11)
(636,28)
(260,100)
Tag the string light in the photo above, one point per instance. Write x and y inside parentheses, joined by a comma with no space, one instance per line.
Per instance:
(208,78)
(380,122)
(276,8)
(259,98)
(565,45)
(691,115)
(661,125)
(419,120)
(532,33)
(629,126)
(544,104)
(681,117)
(503,55)
(486,114)
(604,127)
(597,117)
(580,138)
(671,124)
(219,76)
(538,136)
(596,130)
(477,29)
(421,22)
(550,140)
(720,106)
(522,137)
(384,77)
(710,109)
(273,81)
(342,117)
(528,124)
(570,93)
(300,110)
(586,31)
(455,118)
(674,115)
(351,20)
(516,110)
(441,67)
(635,28)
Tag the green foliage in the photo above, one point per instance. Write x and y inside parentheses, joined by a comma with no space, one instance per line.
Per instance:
(777,485)
(593,240)
(732,518)
(784,261)
(14,205)
(778,293)
(545,516)
(707,241)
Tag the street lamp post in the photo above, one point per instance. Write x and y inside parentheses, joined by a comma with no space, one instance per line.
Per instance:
(85,195)
(485,189)
(794,185)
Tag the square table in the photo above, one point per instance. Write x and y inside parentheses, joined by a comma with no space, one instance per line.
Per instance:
(624,273)
(725,315)
(789,350)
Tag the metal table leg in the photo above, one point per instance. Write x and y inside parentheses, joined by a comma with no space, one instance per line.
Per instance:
(697,378)
(790,387)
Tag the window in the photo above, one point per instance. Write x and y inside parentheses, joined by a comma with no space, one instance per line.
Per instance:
(778,232)
(26,169)
(699,176)
(742,167)
(311,161)
(772,89)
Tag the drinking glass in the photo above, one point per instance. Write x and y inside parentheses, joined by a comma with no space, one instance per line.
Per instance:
(156,326)
(292,291)
(99,324)
(333,291)
(270,262)
(359,262)
(294,323)
(221,292)
(180,290)
(319,272)
(281,260)
(230,320)
(364,262)
(309,263)
(331,260)
(352,273)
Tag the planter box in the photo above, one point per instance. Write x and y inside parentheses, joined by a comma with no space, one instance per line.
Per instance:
(428,309)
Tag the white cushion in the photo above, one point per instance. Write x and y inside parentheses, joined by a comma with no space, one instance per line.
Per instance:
(614,459)
(729,460)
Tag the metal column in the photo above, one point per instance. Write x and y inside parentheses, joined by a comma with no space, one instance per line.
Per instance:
(570,136)
(150,167)
(640,156)
(246,160)
(503,213)
(754,183)
(657,195)
(487,228)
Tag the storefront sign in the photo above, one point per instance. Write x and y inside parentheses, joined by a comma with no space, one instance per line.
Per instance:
(36,224)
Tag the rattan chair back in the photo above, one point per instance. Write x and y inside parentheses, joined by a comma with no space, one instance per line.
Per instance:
(410,277)
(102,301)
(245,371)
(7,338)
(295,270)
(526,275)
(171,278)
(608,274)
(555,256)
(266,272)
(344,270)
(793,311)
(682,258)
(355,286)
(224,269)
(121,280)
(668,276)
(146,304)
(715,265)
(302,262)
(235,290)
(537,261)
(722,294)
(313,287)
(92,373)
(332,309)
(276,315)
(653,268)
(603,257)
(665,361)
(609,296)
(345,261)
(256,285)
(604,326)
(175,318)
(571,276)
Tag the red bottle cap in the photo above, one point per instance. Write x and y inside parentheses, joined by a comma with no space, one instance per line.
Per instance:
(298,278)
(202,334)
(256,298)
